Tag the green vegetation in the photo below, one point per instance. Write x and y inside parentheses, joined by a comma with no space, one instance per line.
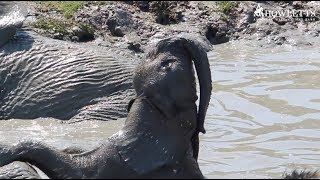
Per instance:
(86,27)
(67,8)
(226,6)
(62,25)
(52,26)
(61,29)
(224,17)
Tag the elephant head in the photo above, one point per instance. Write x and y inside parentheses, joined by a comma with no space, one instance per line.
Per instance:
(166,78)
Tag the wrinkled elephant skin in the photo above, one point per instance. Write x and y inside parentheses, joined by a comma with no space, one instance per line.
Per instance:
(158,137)
(42,77)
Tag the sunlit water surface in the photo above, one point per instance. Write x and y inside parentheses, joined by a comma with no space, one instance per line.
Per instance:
(263,118)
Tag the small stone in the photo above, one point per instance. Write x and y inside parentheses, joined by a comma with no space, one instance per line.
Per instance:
(250,17)
(118,32)
(74,39)
(57,36)
(297,5)
(280,40)
(201,6)
(136,47)
(77,30)
(82,34)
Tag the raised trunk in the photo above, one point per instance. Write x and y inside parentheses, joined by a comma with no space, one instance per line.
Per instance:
(200,59)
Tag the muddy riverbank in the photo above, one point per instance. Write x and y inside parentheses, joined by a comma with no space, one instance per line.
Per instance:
(133,24)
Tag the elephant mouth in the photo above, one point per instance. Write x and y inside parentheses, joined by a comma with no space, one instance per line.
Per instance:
(152,104)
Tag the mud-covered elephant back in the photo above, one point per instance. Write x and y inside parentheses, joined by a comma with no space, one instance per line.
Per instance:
(43,77)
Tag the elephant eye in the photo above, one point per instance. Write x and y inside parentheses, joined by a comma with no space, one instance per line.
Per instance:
(167,63)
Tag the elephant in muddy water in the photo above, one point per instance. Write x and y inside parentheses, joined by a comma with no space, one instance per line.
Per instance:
(160,136)
(43,77)
(65,81)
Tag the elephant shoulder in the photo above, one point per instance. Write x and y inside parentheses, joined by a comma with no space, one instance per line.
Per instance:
(110,163)
(148,152)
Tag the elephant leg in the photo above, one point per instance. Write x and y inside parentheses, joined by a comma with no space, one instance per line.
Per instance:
(52,162)
(23,170)
(18,170)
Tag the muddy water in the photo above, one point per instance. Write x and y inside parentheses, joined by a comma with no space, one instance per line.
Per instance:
(263,119)
(264,116)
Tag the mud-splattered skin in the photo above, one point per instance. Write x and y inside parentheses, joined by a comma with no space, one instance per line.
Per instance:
(42,77)
(158,138)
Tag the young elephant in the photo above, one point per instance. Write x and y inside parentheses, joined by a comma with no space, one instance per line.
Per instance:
(160,135)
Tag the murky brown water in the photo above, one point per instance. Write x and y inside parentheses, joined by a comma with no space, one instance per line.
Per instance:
(264,116)
(263,119)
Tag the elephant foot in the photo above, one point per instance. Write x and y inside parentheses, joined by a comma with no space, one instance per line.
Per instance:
(18,170)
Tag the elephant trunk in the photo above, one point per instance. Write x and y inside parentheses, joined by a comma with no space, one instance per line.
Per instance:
(200,59)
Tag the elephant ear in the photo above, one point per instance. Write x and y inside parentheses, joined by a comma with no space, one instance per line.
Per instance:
(145,151)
